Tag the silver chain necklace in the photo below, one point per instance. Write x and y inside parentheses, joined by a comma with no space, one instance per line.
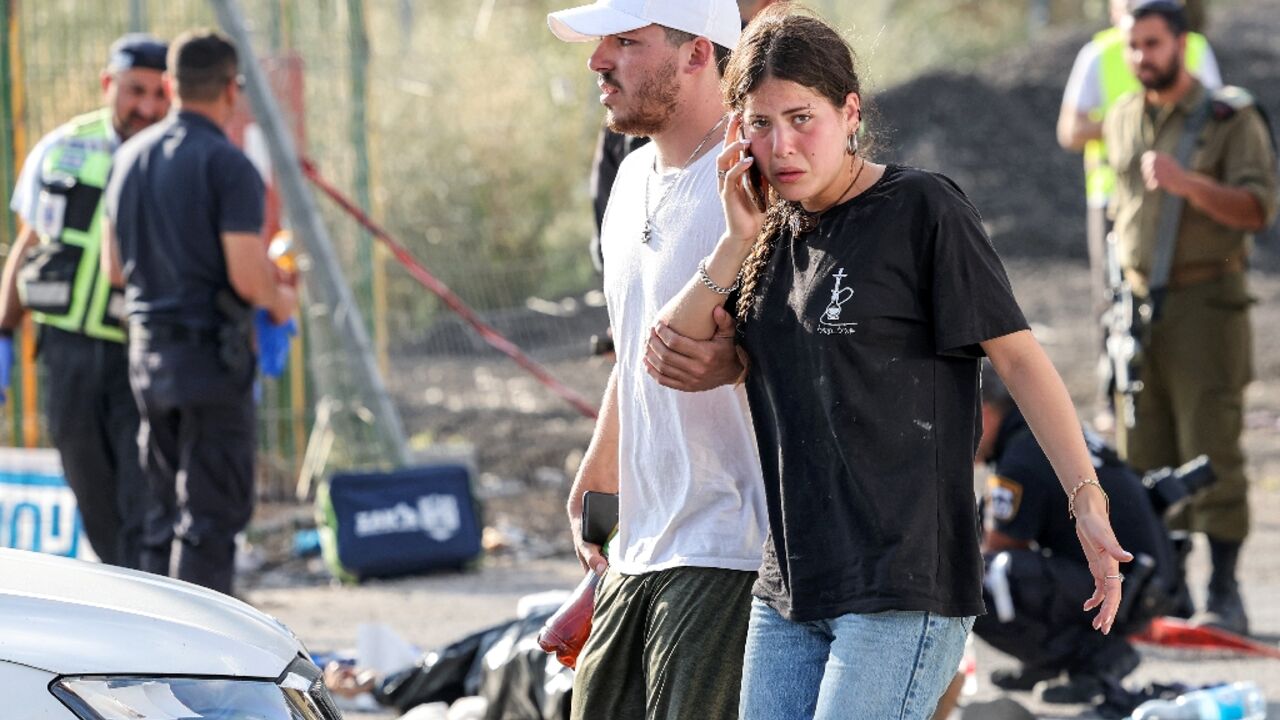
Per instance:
(648,217)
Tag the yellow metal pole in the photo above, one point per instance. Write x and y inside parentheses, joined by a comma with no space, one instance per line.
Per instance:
(27,349)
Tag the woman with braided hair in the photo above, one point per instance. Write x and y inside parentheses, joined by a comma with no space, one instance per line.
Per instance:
(866,294)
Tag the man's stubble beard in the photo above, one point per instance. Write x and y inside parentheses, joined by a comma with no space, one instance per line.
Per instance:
(1165,80)
(655,103)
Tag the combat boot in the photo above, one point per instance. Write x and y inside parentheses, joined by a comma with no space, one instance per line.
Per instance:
(1225,609)
(1181,604)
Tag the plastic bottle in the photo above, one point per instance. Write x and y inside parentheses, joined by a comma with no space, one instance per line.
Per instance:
(566,631)
(1237,701)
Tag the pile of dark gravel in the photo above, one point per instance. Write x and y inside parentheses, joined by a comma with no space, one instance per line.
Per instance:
(993,131)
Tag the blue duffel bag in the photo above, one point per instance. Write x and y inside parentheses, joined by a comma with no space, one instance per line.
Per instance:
(398,523)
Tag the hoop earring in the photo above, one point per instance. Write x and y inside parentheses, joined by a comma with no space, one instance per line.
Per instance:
(851,144)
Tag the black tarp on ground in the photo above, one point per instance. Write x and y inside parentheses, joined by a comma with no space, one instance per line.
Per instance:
(502,664)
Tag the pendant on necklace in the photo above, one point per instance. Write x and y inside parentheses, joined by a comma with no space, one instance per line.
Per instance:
(644,236)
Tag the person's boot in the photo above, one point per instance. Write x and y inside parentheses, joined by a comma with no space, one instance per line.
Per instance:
(1225,609)
(1181,605)
(1096,675)
(1022,677)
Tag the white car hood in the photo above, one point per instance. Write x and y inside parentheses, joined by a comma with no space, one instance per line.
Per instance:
(72,617)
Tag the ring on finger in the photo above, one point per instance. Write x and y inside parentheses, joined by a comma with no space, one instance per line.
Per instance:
(721,173)
(1118,577)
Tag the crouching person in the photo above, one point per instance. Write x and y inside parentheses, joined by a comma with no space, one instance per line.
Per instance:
(1036,572)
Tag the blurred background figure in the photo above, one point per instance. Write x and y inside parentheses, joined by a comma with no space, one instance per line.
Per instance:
(1100,76)
(52,270)
(1194,179)
(186,207)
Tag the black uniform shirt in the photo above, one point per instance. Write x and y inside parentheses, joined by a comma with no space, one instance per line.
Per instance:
(864,396)
(175,188)
(1026,502)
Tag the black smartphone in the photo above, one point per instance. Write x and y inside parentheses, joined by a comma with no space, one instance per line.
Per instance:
(599,516)
(753,181)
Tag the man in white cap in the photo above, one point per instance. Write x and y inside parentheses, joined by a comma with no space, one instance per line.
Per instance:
(672,608)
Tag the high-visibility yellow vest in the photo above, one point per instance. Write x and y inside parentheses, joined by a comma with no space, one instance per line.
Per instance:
(70,219)
(1117,80)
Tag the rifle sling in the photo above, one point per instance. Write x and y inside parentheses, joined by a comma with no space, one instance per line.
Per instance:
(1171,211)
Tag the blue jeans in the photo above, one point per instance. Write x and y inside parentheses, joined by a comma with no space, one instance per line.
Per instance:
(879,666)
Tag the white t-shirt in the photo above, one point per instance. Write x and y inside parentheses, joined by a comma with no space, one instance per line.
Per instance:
(690,490)
(1084,86)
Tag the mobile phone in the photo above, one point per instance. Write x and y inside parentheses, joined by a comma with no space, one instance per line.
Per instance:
(599,516)
(753,180)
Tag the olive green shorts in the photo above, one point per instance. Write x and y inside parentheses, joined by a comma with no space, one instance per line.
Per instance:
(665,645)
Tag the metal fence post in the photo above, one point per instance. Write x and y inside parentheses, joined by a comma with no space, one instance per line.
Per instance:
(326,275)
(137,15)
(358,45)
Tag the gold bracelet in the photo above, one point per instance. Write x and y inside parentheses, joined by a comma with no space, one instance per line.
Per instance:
(1071,496)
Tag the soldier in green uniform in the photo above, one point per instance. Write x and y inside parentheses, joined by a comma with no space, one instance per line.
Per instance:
(1197,357)
(53,271)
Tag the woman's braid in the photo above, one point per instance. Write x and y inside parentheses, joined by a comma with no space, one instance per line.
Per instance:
(753,268)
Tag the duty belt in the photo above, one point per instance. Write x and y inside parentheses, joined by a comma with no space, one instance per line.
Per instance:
(1192,273)
(174,333)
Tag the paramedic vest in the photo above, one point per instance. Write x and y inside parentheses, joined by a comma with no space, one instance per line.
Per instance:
(1117,80)
(62,282)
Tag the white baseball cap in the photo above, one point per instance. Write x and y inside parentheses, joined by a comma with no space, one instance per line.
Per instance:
(716,20)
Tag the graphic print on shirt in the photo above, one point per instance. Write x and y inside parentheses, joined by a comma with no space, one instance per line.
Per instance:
(831,323)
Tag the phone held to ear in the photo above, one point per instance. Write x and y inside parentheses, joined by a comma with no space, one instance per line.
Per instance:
(753,179)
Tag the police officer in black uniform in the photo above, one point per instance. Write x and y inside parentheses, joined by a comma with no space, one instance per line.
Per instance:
(1036,571)
(186,210)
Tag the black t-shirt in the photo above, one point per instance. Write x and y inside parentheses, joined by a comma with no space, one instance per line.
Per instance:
(175,188)
(1025,501)
(864,395)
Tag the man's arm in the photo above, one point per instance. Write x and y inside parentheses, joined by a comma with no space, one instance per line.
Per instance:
(1076,126)
(10,304)
(109,259)
(682,363)
(1231,206)
(254,278)
(598,472)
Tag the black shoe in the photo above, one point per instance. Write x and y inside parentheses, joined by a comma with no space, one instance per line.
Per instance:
(1098,678)
(1225,609)
(1225,612)
(1114,662)
(1021,678)
(1078,689)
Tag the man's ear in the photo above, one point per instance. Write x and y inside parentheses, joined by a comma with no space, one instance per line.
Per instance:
(106,78)
(166,82)
(701,55)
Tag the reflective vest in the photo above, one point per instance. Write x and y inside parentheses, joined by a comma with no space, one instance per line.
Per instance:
(1117,80)
(62,282)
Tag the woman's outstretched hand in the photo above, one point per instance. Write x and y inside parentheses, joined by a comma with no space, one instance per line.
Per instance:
(1104,553)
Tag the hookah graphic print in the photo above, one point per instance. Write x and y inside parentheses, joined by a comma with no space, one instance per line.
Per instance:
(833,320)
